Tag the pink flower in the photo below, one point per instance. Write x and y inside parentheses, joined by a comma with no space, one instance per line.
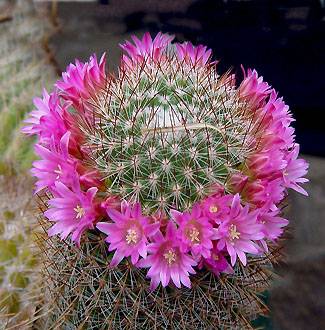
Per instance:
(272,224)
(260,192)
(73,211)
(81,80)
(196,55)
(88,176)
(195,232)
(295,170)
(278,110)
(217,263)
(274,121)
(55,165)
(238,232)
(253,88)
(167,262)
(277,137)
(129,233)
(216,207)
(237,182)
(145,48)
(46,120)
(268,164)
(257,191)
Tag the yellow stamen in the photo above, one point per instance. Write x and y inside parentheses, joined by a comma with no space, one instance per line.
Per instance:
(131,236)
(170,256)
(215,257)
(80,211)
(213,209)
(233,233)
(194,235)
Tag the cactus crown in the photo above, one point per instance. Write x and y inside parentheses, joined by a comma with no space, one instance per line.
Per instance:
(164,132)
(207,161)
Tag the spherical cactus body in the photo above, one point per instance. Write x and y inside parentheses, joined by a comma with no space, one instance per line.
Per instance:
(162,187)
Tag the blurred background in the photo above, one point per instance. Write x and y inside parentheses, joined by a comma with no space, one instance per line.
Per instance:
(284,40)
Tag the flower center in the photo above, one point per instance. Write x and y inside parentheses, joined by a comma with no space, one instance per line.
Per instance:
(131,236)
(215,257)
(170,256)
(80,211)
(58,171)
(213,209)
(233,233)
(194,235)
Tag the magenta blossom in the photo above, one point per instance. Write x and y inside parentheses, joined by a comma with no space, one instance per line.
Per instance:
(295,170)
(272,224)
(217,262)
(81,80)
(72,210)
(167,262)
(261,192)
(196,55)
(129,233)
(278,110)
(56,164)
(253,88)
(238,233)
(268,164)
(216,207)
(195,232)
(46,120)
(145,48)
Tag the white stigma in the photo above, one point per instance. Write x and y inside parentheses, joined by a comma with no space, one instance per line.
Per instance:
(58,171)
(170,256)
(131,236)
(80,211)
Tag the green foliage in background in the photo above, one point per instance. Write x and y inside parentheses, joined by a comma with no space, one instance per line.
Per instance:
(24,70)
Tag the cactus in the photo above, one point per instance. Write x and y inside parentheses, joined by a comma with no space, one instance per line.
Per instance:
(23,69)
(168,133)
(84,293)
(18,262)
(168,166)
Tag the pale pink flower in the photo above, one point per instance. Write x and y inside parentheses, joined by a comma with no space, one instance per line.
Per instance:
(274,137)
(195,55)
(238,233)
(81,81)
(274,121)
(166,261)
(253,88)
(237,182)
(145,48)
(217,263)
(88,176)
(129,232)
(267,164)
(262,192)
(46,120)
(72,210)
(216,207)
(258,192)
(278,110)
(295,170)
(272,224)
(55,164)
(195,232)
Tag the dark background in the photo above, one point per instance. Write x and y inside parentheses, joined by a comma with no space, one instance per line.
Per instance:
(284,40)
